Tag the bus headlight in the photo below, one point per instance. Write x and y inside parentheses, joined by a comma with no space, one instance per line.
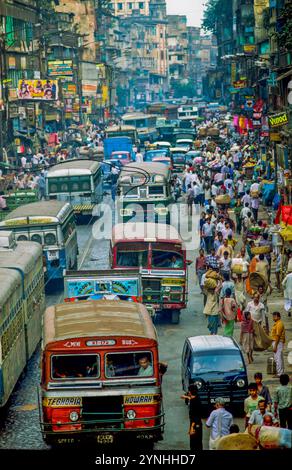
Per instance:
(74,416)
(161,210)
(240,383)
(126,212)
(131,414)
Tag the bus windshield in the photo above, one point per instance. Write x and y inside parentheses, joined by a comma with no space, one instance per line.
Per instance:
(67,366)
(132,255)
(164,256)
(129,364)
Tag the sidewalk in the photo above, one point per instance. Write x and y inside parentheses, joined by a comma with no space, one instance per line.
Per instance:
(275,303)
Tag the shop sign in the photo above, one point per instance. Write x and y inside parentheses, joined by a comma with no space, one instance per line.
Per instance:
(275,137)
(57,68)
(69,89)
(257,124)
(278,120)
(12,63)
(249,48)
(239,84)
(265,134)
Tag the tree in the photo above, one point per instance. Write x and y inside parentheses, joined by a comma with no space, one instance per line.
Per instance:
(284,33)
(215,11)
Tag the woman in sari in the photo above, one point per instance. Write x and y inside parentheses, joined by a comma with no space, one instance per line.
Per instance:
(228,311)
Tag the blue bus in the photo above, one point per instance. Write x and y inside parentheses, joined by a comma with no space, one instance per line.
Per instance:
(52,225)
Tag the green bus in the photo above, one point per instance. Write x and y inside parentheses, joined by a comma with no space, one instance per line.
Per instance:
(144,193)
(79,182)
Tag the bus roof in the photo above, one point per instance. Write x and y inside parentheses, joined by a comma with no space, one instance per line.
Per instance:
(123,127)
(137,116)
(22,257)
(46,210)
(9,281)
(74,167)
(149,167)
(149,231)
(97,318)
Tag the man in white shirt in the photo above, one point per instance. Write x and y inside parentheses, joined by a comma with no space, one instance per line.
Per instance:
(244,211)
(23,161)
(257,310)
(240,187)
(220,226)
(139,157)
(246,199)
(214,190)
(219,421)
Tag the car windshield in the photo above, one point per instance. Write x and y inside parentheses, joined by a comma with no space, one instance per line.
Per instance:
(217,361)
(179,157)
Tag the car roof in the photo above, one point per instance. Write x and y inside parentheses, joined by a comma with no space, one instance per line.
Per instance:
(211,342)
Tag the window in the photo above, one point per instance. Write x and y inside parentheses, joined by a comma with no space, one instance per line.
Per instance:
(36,238)
(132,256)
(120,6)
(22,238)
(130,6)
(73,366)
(50,239)
(141,5)
(221,361)
(166,259)
(158,190)
(138,364)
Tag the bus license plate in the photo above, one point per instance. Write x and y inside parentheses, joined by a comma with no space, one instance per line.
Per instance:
(105,439)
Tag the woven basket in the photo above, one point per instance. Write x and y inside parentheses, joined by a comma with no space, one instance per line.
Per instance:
(261,250)
(256,280)
(254,194)
(203,131)
(239,441)
(210,283)
(223,199)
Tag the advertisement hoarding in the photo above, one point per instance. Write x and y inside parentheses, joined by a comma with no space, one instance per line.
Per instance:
(44,90)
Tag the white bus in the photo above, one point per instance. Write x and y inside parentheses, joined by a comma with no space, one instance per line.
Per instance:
(188,112)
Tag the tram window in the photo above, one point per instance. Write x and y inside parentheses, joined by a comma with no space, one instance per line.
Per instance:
(166,259)
(22,238)
(50,239)
(75,187)
(129,364)
(36,238)
(85,186)
(53,188)
(73,366)
(156,190)
(64,187)
(128,191)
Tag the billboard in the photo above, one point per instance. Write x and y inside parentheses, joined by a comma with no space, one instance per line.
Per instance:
(44,90)
(57,68)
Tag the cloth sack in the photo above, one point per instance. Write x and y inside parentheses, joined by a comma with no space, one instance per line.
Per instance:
(261,340)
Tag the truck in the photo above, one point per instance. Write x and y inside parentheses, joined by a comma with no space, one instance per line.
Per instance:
(116,144)
(108,284)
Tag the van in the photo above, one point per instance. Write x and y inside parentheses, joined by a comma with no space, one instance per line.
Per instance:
(216,365)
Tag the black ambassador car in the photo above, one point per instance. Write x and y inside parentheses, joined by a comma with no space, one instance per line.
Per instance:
(216,365)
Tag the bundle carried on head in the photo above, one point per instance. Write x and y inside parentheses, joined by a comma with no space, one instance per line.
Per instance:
(211,274)
(210,283)
(223,199)
(261,250)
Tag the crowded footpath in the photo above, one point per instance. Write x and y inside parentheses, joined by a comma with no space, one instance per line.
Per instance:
(245,278)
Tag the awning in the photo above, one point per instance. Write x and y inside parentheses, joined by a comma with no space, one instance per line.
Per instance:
(284,75)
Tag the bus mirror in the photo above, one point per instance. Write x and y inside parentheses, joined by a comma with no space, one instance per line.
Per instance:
(189,262)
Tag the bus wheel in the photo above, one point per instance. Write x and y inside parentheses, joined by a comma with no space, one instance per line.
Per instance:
(175,317)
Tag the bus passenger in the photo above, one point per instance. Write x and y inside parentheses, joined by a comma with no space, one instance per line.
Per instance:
(146,369)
